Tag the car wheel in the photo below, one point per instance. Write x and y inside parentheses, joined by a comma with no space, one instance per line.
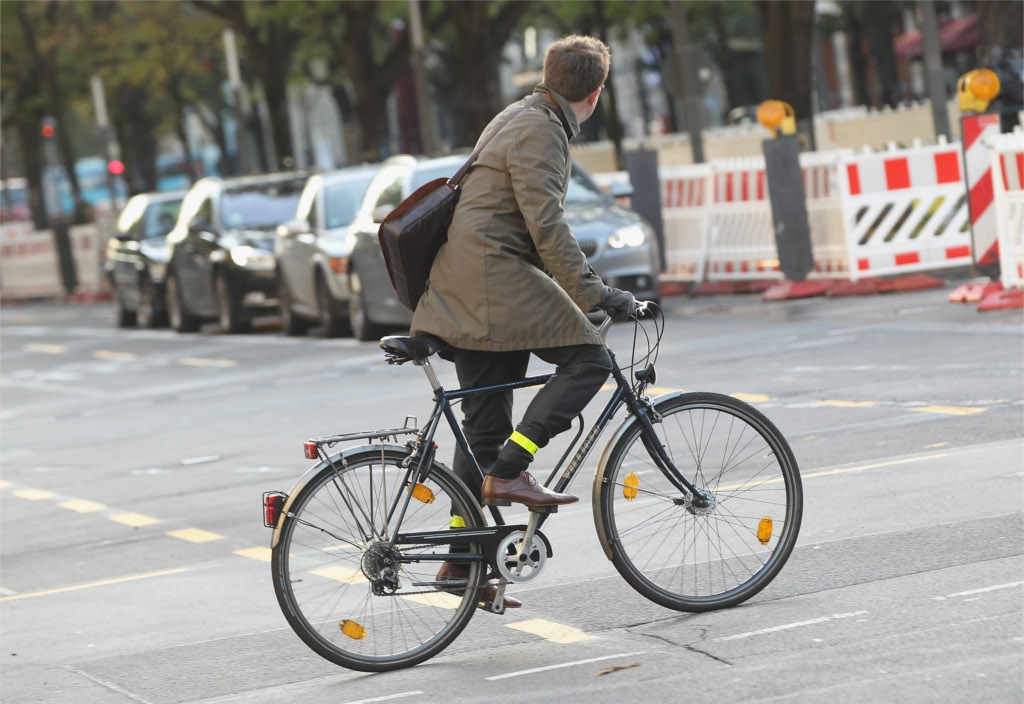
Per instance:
(147,314)
(291,324)
(358,317)
(125,318)
(229,313)
(331,323)
(181,320)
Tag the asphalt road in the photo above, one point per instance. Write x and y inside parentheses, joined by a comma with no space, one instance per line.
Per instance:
(133,559)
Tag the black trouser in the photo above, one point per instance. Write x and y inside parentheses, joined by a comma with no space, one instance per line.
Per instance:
(487,420)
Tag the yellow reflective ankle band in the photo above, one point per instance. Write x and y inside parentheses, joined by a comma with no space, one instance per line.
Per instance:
(457,522)
(523,442)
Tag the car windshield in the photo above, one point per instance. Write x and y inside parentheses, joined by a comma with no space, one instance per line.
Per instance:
(264,207)
(160,218)
(342,199)
(582,189)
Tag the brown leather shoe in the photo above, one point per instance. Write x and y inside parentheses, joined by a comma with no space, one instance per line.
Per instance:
(450,571)
(524,489)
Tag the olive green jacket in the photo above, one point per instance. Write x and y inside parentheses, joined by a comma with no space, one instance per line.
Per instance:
(511,275)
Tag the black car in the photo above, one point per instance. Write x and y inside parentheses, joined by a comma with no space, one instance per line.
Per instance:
(136,257)
(220,263)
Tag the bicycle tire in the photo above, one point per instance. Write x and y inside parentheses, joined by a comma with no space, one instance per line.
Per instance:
(692,559)
(326,551)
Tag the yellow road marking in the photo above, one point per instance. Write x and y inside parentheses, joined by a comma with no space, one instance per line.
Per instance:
(45,349)
(340,574)
(200,362)
(846,404)
(111,354)
(443,601)
(261,554)
(34,494)
(752,398)
(89,585)
(549,630)
(4,483)
(194,535)
(135,520)
(949,410)
(82,505)
(938,444)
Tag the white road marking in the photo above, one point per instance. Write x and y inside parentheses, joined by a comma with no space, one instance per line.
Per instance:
(787,626)
(561,665)
(971,592)
(386,697)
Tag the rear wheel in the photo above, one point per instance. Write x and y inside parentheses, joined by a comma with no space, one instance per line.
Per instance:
(332,324)
(358,316)
(690,557)
(291,324)
(229,308)
(125,318)
(181,320)
(349,595)
(147,313)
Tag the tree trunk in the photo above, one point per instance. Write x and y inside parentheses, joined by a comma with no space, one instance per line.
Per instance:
(788,28)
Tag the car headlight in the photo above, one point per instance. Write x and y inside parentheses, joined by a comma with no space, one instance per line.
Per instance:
(629,236)
(251,258)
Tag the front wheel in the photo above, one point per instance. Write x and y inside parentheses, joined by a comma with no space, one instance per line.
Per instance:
(352,597)
(725,547)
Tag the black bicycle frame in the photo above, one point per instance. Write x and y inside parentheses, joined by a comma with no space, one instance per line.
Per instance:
(443,406)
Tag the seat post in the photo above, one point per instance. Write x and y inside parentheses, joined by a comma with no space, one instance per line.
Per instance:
(428,369)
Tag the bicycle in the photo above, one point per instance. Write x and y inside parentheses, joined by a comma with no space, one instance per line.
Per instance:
(697,501)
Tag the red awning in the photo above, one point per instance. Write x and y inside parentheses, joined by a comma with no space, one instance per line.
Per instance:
(954,35)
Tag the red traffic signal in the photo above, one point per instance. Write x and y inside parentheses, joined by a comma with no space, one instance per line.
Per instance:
(48,130)
(116,167)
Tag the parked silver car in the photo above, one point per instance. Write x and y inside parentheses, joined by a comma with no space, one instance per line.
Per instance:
(619,244)
(312,253)
(136,258)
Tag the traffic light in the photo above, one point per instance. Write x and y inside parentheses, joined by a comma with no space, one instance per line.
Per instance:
(116,167)
(49,128)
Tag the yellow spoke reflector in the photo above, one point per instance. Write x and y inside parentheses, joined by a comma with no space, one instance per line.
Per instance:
(423,494)
(352,629)
(764,530)
(457,522)
(630,486)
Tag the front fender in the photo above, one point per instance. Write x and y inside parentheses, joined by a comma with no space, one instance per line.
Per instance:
(625,427)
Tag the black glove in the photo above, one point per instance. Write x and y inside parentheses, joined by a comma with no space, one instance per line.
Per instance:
(618,304)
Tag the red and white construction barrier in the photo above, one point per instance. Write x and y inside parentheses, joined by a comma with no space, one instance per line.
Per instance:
(742,237)
(29,265)
(1007,152)
(905,211)
(686,198)
(978,132)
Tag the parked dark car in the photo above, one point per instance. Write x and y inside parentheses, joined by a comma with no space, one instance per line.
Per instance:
(136,258)
(221,251)
(312,252)
(618,243)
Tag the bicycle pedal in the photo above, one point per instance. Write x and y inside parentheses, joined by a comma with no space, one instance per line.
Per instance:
(497,502)
(488,606)
(543,509)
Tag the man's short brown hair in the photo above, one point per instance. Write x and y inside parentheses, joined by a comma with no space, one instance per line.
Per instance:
(576,66)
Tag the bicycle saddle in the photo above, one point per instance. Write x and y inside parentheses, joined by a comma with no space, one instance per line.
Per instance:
(402,348)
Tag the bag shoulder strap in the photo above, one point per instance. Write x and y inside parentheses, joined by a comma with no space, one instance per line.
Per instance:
(457,178)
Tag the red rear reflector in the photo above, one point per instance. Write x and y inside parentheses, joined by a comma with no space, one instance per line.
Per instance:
(273,502)
(309,449)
